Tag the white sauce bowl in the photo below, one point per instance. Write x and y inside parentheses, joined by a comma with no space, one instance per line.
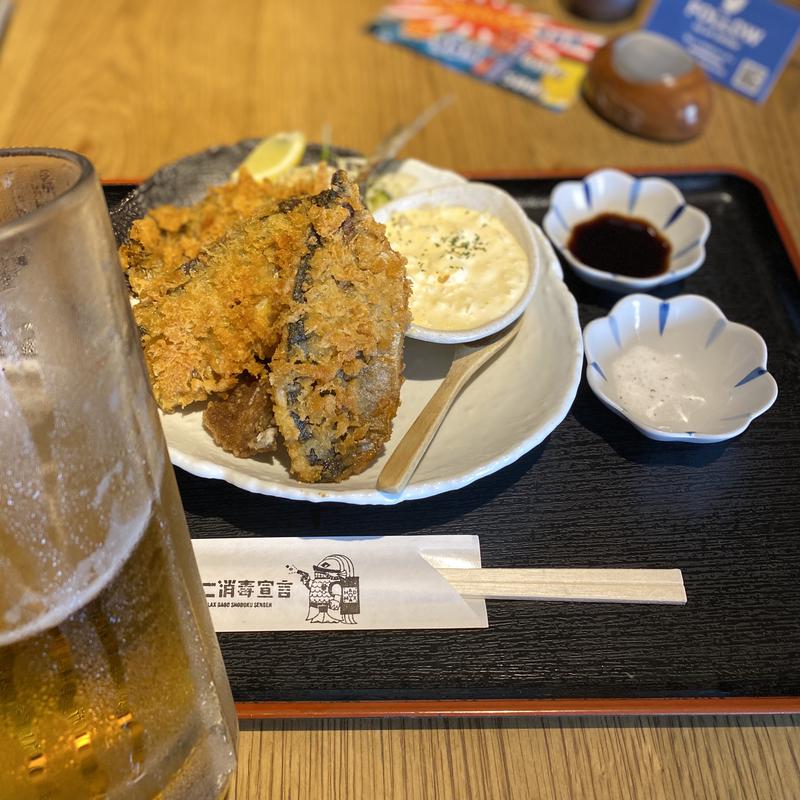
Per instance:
(480,197)
(678,369)
(656,200)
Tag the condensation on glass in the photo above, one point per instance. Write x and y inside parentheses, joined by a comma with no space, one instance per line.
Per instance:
(111,680)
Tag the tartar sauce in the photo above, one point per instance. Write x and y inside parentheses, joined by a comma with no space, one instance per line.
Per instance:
(465,267)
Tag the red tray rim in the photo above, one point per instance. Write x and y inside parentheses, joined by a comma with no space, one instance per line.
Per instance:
(682,706)
(578,707)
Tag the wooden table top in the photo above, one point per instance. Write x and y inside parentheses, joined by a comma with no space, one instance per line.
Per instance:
(133,85)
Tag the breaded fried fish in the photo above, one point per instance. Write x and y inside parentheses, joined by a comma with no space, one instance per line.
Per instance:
(162,242)
(337,370)
(221,320)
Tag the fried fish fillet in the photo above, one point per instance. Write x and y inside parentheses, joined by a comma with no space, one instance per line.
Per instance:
(221,319)
(169,236)
(337,371)
(313,276)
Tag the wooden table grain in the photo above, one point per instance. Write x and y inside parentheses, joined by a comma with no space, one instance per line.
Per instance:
(133,85)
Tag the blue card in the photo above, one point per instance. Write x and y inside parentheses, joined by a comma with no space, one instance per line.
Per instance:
(742,44)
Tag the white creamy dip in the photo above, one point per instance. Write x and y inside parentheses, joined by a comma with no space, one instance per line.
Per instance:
(465,267)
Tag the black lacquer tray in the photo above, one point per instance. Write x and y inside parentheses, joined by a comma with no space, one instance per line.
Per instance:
(594,493)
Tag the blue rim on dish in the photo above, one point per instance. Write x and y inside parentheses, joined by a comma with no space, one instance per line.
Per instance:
(678,370)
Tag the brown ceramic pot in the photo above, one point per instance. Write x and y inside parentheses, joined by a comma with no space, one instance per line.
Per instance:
(648,85)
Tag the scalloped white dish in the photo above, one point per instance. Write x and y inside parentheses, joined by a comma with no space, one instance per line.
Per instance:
(678,370)
(504,412)
(484,198)
(656,200)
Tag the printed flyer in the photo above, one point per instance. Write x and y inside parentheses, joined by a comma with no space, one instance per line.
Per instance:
(742,44)
(497,42)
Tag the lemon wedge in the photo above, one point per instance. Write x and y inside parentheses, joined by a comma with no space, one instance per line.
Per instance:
(274,155)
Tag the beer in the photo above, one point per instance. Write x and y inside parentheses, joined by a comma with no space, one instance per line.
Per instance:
(121,698)
(111,681)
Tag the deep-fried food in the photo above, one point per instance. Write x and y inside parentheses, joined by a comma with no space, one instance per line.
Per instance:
(221,320)
(310,282)
(337,371)
(169,236)
(243,423)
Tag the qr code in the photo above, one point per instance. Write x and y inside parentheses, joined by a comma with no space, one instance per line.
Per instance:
(750,77)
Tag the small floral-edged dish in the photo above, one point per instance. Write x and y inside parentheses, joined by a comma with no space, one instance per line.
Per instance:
(481,197)
(656,200)
(678,370)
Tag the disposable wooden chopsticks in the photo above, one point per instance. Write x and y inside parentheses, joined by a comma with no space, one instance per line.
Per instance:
(582,585)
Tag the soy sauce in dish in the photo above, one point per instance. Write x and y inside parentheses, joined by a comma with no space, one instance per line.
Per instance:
(621,245)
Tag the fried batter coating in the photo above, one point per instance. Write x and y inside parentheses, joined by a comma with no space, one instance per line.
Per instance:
(169,236)
(310,282)
(337,372)
(243,423)
(221,321)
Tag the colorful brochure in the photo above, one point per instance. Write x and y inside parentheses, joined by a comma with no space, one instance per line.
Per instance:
(498,42)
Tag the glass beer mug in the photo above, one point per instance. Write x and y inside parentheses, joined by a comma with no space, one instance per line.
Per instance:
(111,680)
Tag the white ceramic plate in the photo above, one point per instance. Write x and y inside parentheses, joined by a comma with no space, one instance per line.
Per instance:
(507,409)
